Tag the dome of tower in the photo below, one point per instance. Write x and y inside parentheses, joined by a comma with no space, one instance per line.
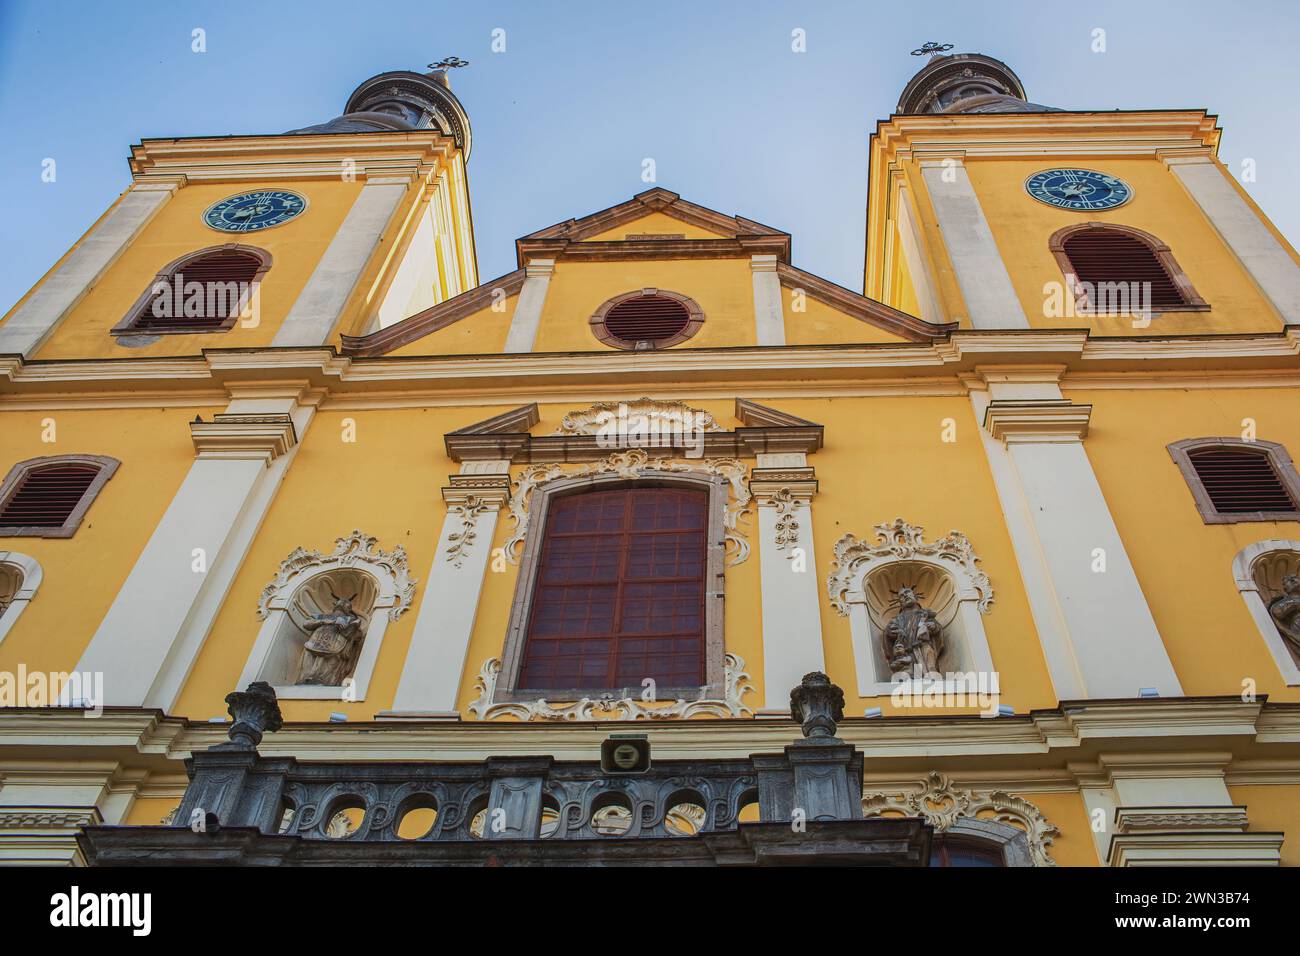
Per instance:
(967,83)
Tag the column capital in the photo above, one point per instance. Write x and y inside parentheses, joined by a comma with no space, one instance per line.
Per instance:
(762,263)
(539,267)
(1049,420)
(775,487)
(490,491)
(244,437)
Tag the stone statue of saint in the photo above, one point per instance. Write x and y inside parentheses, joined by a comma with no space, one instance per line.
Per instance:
(331,651)
(1285,611)
(913,640)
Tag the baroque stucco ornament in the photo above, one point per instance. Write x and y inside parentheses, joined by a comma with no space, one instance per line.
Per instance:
(943,805)
(459,542)
(633,464)
(903,541)
(659,417)
(354,550)
(735,686)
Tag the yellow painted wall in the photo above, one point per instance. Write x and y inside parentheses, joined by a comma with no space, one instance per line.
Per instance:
(821,324)
(723,288)
(1273,809)
(1074,845)
(1184,565)
(1022,226)
(83,574)
(655,222)
(482,333)
(178,230)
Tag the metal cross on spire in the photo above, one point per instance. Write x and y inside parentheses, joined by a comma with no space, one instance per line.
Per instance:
(449,63)
(932,48)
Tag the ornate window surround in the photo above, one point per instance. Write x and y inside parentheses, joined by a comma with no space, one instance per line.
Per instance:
(356,551)
(1243,574)
(32,575)
(695,319)
(1192,302)
(638,471)
(107,467)
(1014,823)
(1278,457)
(128,325)
(898,542)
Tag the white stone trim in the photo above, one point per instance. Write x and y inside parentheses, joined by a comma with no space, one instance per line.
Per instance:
(527,317)
(1243,230)
(1243,575)
(357,552)
(985,283)
(792,631)
(319,306)
(769,313)
(32,574)
(918,263)
(444,626)
(32,323)
(1098,635)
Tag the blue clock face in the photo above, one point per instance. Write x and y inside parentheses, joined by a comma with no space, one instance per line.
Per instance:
(252,212)
(1080,189)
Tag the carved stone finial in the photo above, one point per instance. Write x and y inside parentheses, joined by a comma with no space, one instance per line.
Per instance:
(255,711)
(818,705)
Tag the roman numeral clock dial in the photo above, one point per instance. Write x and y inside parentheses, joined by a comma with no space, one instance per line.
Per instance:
(1081,189)
(252,212)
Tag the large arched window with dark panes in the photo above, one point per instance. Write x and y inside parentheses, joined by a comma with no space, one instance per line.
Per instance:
(205,291)
(1116,269)
(620,591)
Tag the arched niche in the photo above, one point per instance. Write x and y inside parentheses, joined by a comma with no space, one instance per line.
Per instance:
(864,579)
(308,583)
(1258,570)
(20,576)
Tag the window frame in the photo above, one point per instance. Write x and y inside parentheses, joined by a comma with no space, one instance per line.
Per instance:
(107,467)
(130,324)
(1192,301)
(508,690)
(1283,467)
(695,319)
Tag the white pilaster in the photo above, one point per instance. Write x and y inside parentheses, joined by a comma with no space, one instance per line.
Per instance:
(32,323)
(982,275)
(528,308)
(1244,231)
(1097,632)
(152,633)
(783,487)
(769,315)
(319,306)
(918,265)
(435,661)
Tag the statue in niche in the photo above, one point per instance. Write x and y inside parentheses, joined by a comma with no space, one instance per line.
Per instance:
(330,653)
(1285,611)
(913,640)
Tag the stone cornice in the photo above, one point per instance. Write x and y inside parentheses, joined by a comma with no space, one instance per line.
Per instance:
(257,437)
(1037,421)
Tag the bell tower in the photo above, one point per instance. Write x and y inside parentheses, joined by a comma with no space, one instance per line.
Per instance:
(996,212)
(342,227)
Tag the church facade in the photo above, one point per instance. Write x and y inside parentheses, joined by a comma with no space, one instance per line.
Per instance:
(1028,500)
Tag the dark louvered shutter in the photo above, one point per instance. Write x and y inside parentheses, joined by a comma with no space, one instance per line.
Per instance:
(48,496)
(225,275)
(1103,255)
(647,320)
(1240,481)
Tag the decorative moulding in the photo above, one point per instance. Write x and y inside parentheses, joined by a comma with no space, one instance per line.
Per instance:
(948,809)
(901,541)
(661,417)
(735,686)
(631,465)
(355,550)
(1037,421)
(264,437)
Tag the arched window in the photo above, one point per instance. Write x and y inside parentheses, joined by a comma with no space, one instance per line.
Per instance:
(1235,480)
(48,497)
(646,320)
(1116,269)
(205,291)
(955,851)
(20,576)
(620,592)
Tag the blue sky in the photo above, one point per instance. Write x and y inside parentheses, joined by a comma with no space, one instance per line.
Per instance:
(585,91)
